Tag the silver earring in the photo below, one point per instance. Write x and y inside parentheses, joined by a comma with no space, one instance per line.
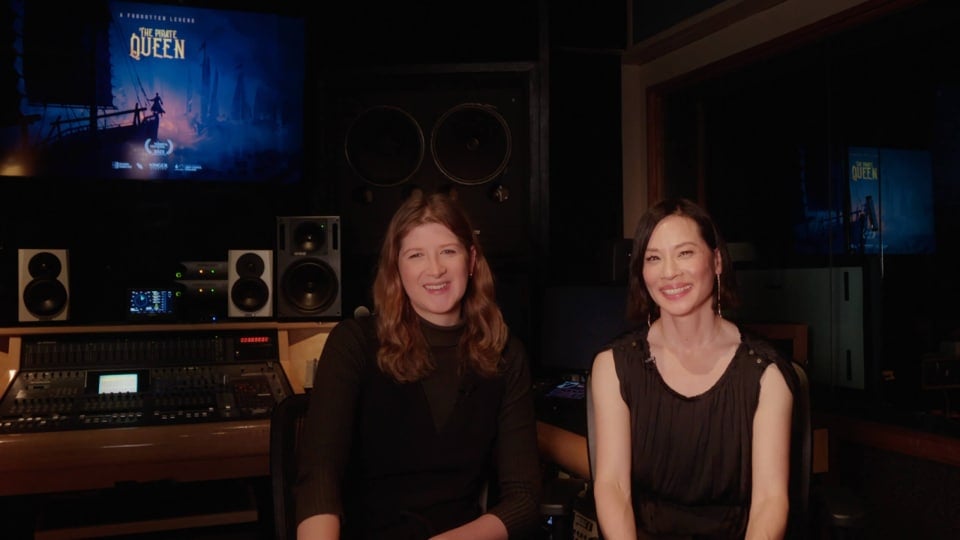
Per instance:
(719,314)
(649,322)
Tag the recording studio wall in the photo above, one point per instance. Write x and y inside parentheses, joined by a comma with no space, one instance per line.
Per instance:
(586,185)
(383,32)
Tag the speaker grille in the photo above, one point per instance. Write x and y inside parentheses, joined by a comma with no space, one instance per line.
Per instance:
(471,144)
(384,146)
(479,123)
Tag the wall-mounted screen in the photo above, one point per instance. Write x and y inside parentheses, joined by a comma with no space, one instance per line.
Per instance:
(891,201)
(151,91)
(883,206)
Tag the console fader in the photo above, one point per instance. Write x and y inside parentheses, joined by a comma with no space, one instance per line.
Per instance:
(84,381)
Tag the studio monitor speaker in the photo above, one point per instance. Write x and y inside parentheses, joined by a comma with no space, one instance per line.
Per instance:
(249,283)
(466,129)
(308,267)
(44,280)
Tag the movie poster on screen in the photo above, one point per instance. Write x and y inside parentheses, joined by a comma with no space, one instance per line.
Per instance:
(147,90)
(891,201)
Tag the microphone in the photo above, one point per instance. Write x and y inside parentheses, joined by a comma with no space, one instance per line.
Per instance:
(360,312)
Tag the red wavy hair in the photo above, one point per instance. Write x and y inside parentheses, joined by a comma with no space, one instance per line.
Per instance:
(404,353)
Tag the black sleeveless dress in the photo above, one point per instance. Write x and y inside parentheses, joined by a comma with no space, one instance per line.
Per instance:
(691,466)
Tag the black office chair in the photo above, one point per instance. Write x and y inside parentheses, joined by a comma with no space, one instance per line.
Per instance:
(801,460)
(286,422)
(834,511)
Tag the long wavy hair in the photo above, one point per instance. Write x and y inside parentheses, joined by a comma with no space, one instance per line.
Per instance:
(404,352)
(640,305)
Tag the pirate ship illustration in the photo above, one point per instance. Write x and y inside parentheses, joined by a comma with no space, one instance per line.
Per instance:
(81,100)
(58,93)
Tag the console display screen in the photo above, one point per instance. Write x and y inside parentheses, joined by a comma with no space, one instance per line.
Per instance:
(151,303)
(114,383)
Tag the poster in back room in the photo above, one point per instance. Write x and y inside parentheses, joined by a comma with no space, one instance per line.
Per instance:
(891,201)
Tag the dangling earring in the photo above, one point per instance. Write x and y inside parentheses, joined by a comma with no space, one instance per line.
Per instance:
(719,314)
(649,322)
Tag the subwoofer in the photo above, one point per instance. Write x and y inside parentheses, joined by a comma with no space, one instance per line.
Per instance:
(249,283)
(308,267)
(44,285)
(464,129)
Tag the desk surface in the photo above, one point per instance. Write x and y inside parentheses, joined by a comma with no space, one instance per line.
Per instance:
(101,458)
(862,420)
(48,462)
(562,405)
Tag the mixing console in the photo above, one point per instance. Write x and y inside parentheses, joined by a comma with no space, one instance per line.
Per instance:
(101,381)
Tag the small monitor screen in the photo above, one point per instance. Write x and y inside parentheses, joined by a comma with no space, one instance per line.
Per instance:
(147,303)
(568,390)
(114,383)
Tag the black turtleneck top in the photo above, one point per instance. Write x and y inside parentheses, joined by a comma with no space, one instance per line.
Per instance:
(409,460)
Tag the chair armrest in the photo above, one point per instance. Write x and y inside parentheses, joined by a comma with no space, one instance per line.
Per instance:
(566,449)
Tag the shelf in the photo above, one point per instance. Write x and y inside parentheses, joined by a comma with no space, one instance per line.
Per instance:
(145,508)
(164,327)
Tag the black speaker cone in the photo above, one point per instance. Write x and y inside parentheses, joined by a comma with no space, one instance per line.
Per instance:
(45,297)
(309,236)
(250,294)
(471,143)
(310,284)
(250,265)
(384,145)
(44,265)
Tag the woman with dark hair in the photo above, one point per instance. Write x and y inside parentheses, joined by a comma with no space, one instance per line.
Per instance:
(417,407)
(692,417)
